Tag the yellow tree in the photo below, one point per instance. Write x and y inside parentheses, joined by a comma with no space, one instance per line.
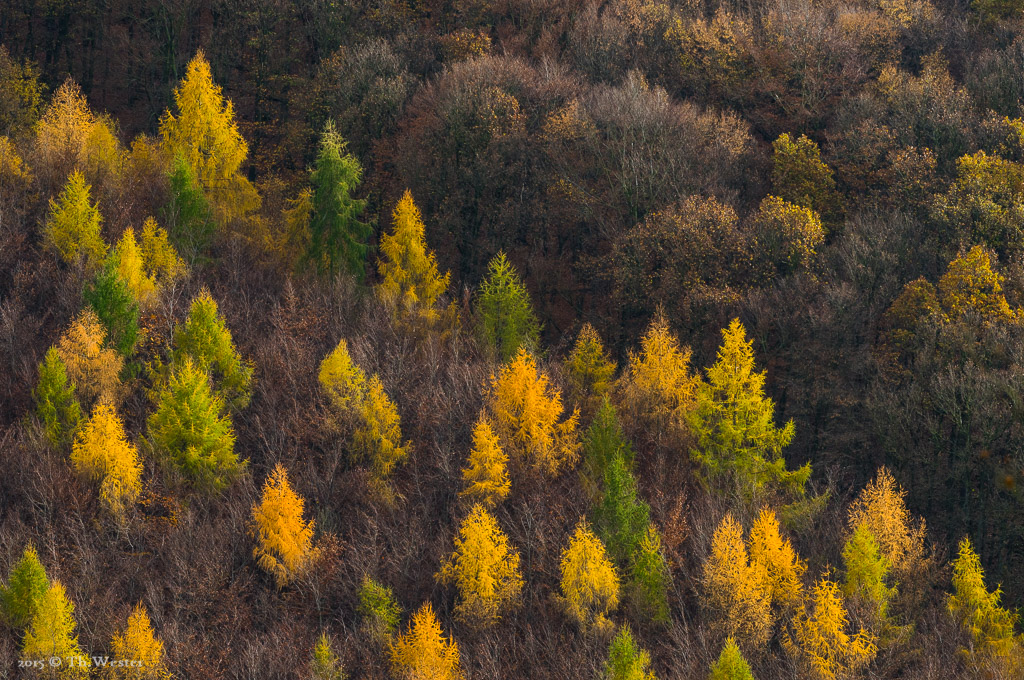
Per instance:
(737,589)
(971,285)
(410,282)
(102,453)
(73,225)
(525,408)
(881,508)
(92,368)
(820,639)
(424,653)
(70,136)
(51,634)
(284,540)
(205,136)
(131,268)
(486,472)
(657,382)
(379,435)
(485,569)
(342,380)
(139,647)
(589,368)
(590,584)
(775,555)
(161,260)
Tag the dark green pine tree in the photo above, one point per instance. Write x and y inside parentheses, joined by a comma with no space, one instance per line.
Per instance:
(506,318)
(115,305)
(604,441)
(56,404)
(338,240)
(24,590)
(188,214)
(621,517)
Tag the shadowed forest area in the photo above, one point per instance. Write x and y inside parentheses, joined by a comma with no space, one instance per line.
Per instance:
(621,339)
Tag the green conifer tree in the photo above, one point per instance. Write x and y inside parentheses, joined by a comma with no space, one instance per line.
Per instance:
(325,664)
(56,403)
(605,440)
(115,306)
(626,659)
(506,319)
(204,338)
(649,578)
(188,214)
(730,665)
(867,571)
(990,625)
(25,588)
(621,517)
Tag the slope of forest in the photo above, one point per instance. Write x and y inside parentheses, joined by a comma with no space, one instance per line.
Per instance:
(619,339)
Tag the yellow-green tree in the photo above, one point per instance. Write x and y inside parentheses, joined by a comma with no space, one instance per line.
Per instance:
(485,569)
(867,571)
(525,409)
(284,540)
(93,368)
(657,383)
(881,508)
(138,646)
(486,471)
(775,555)
(820,639)
(410,283)
(205,136)
(325,664)
(378,608)
(589,368)
(977,609)
(730,664)
(73,225)
(102,453)
(52,634)
(161,260)
(342,380)
(379,434)
(25,588)
(626,659)
(650,577)
(590,584)
(800,176)
(788,235)
(424,653)
(56,404)
(737,590)
(734,423)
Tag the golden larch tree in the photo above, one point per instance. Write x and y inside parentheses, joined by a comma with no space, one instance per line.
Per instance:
(379,434)
(410,283)
(52,634)
(138,645)
(131,268)
(93,368)
(162,261)
(424,652)
(205,135)
(102,453)
(737,589)
(284,540)
(775,555)
(590,584)
(657,383)
(342,380)
(589,367)
(525,407)
(881,508)
(485,569)
(72,227)
(820,638)
(486,471)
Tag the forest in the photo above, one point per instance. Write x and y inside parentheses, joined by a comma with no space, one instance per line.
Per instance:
(464,339)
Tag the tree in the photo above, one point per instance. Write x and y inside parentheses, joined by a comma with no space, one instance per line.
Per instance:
(788,236)
(880,507)
(604,441)
(325,664)
(131,270)
(525,408)
(971,285)
(145,268)
(991,627)
(73,224)
(56,404)
(733,423)
(650,577)
(205,135)
(590,584)
(342,380)
(20,94)
(138,645)
(284,541)
(71,137)
(800,176)
(205,340)
(820,637)
(410,282)
(52,634)
(589,368)
(730,665)
(25,589)
(486,471)
(338,240)
(626,659)
(506,320)
(103,454)
(115,306)
(866,572)
(424,652)
(782,568)
(188,213)
(379,609)
(379,435)
(92,368)
(621,517)
(485,569)
(159,257)
(657,382)
(190,426)
(736,590)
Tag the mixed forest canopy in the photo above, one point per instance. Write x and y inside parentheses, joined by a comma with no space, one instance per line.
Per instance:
(621,339)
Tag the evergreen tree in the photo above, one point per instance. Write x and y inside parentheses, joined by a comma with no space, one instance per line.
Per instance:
(115,306)
(25,588)
(91,367)
(204,339)
(626,659)
(190,426)
(734,422)
(485,568)
(338,240)
(486,472)
(410,281)
(424,651)
(820,639)
(590,584)
(991,627)
(73,224)
(188,213)
(138,645)
(379,609)
(102,453)
(867,571)
(506,320)
(605,441)
(325,664)
(205,135)
(284,540)
(736,589)
(589,368)
(52,634)
(731,665)
(650,578)
(56,404)
(621,517)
